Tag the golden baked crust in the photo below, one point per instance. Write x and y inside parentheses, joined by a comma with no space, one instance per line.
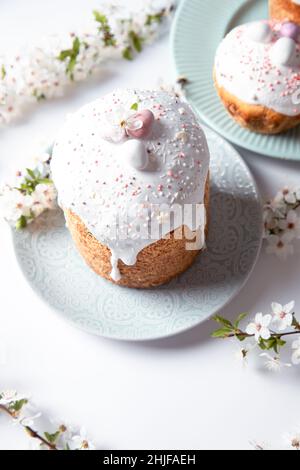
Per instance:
(156,264)
(284,10)
(256,118)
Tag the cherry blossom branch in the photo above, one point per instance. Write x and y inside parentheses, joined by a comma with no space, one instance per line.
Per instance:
(31,432)
(48,69)
(61,437)
(266,339)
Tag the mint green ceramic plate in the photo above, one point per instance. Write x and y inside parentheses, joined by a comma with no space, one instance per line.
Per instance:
(55,270)
(199,27)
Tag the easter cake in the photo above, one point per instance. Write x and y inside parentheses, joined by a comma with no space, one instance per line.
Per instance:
(285,10)
(127,167)
(257,75)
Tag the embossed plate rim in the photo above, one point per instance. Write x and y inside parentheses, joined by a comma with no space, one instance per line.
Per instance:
(238,285)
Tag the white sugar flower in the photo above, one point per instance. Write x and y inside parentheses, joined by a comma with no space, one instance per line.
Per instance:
(296,353)
(273,364)
(81,442)
(119,121)
(291,225)
(259,328)
(283,315)
(280,246)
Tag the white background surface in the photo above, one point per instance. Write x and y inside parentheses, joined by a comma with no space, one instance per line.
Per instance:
(179,393)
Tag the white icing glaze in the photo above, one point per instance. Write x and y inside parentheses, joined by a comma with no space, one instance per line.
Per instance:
(296,1)
(260,72)
(100,178)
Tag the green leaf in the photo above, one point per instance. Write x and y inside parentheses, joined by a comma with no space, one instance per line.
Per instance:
(223,321)
(154,19)
(222,333)
(136,41)
(44,181)
(76,46)
(52,438)
(127,53)
(31,173)
(21,223)
(99,17)
(135,106)
(71,66)
(241,317)
(241,337)
(71,56)
(18,405)
(274,343)
(3,72)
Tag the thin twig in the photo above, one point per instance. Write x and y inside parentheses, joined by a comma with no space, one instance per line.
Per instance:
(32,433)
(274,335)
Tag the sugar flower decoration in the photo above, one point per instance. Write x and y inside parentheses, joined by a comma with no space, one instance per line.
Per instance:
(123,122)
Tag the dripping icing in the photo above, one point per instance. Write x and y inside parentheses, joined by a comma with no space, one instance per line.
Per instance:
(96,180)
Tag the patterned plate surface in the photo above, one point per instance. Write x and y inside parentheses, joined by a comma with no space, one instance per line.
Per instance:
(197,31)
(58,274)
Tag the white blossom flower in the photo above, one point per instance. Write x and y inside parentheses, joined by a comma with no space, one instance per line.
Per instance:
(259,328)
(296,353)
(26,417)
(291,225)
(283,315)
(242,352)
(280,246)
(8,396)
(270,220)
(81,442)
(14,204)
(292,440)
(45,195)
(273,364)
(287,195)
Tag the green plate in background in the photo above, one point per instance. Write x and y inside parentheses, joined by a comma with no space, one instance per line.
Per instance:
(198,28)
